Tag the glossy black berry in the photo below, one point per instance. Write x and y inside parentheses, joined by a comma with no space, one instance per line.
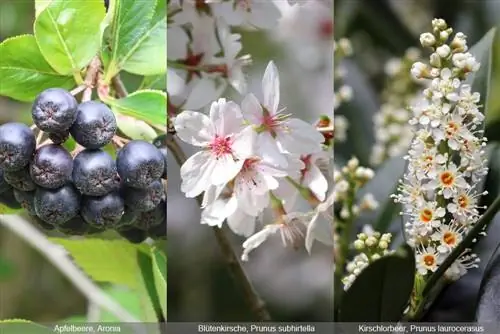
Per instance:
(95,125)
(139,163)
(104,211)
(164,152)
(20,179)
(26,199)
(134,235)
(4,186)
(155,217)
(8,199)
(94,173)
(59,137)
(54,110)
(144,199)
(57,206)
(51,167)
(43,225)
(158,232)
(17,145)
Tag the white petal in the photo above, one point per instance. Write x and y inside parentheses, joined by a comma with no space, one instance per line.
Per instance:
(269,150)
(203,91)
(226,117)
(257,239)
(215,214)
(194,128)
(196,173)
(211,194)
(241,223)
(226,168)
(300,138)
(316,181)
(244,143)
(271,88)
(252,110)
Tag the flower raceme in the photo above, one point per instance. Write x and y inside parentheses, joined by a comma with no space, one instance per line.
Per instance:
(446,158)
(247,155)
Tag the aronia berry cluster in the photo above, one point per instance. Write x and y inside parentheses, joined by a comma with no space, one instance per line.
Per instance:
(85,191)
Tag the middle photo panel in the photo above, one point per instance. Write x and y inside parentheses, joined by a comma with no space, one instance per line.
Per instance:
(250,109)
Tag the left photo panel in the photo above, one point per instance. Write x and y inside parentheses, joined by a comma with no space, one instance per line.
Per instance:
(83,165)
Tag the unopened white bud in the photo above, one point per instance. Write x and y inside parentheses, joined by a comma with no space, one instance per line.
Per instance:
(443,51)
(427,39)
(353,163)
(443,35)
(435,60)
(439,24)
(370,241)
(376,256)
(359,244)
(345,93)
(383,245)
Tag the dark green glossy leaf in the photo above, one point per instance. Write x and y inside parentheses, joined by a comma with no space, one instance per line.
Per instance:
(24,72)
(68,33)
(382,291)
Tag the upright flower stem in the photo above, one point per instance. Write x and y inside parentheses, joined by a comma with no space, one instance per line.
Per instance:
(256,304)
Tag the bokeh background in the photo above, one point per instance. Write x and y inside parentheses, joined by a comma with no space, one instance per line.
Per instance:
(30,287)
(380,31)
(295,285)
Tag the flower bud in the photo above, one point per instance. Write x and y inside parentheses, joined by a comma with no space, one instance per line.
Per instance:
(383,245)
(371,241)
(353,163)
(359,244)
(376,256)
(435,60)
(439,24)
(443,51)
(443,35)
(427,39)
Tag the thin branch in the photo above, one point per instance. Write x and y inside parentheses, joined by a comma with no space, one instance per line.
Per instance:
(78,90)
(58,256)
(256,304)
(119,87)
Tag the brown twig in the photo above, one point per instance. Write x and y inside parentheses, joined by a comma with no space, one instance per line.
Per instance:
(256,304)
(119,87)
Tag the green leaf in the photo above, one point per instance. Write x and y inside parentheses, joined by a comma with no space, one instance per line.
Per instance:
(480,80)
(40,5)
(131,26)
(69,144)
(149,288)
(149,54)
(5,210)
(147,105)
(110,149)
(127,298)
(6,269)
(382,291)
(154,82)
(68,33)
(160,277)
(16,326)
(24,72)
(114,261)
(135,129)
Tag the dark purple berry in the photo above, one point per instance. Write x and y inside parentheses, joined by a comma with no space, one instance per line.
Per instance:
(133,235)
(20,179)
(17,145)
(144,199)
(139,163)
(95,125)
(104,211)
(8,199)
(57,206)
(4,186)
(51,167)
(26,199)
(42,224)
(164,152)
(148,219)
(129,217)
(94,173)
(54,110)
(59,137)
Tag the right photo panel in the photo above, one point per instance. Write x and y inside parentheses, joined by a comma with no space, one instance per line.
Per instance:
(416,197)
(250,163)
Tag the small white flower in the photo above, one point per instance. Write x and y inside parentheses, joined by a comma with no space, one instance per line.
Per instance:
(443,51)
(427,39)
(427,260)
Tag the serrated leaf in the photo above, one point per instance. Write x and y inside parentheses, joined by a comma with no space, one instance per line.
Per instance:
(40,5)
(135,129)
(24,72)
(160,277)
(382,290)
(127,298)
(131,23)
(149,54)
(68,33)
(112,261)
(147,105)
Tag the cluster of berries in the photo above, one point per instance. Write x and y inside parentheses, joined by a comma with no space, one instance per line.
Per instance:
(87,192)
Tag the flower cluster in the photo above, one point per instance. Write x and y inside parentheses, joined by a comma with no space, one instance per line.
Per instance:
(371,246)
(249,154)
(446,158)
(203,54)
(393,133)
(342,48)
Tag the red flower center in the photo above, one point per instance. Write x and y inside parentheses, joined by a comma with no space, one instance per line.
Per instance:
(221,146)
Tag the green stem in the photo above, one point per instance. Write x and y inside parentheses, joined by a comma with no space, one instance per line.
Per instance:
(466,243)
